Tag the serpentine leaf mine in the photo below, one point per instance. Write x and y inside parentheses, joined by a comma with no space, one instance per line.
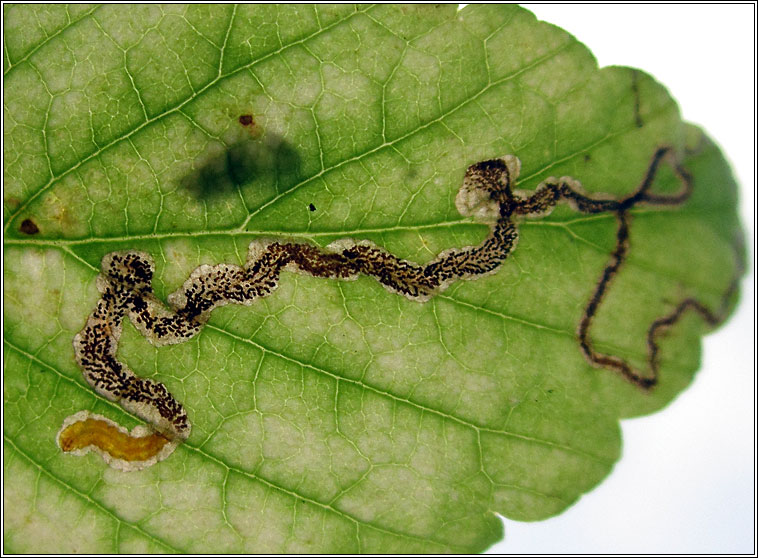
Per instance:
(125,283)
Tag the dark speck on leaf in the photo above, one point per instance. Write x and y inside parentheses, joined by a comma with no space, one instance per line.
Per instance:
(311,207)
(586,157)
(29,227)
(246,119)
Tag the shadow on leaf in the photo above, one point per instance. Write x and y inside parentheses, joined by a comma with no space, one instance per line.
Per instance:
(269,159)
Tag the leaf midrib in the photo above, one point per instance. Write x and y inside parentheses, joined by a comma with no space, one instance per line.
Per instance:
(461,225)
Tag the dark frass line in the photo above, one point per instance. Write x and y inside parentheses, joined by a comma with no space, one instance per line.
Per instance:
(125,283)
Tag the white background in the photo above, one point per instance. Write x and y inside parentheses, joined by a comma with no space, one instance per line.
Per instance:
(686,481)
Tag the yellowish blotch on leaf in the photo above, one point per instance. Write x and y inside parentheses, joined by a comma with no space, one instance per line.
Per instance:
(127,451)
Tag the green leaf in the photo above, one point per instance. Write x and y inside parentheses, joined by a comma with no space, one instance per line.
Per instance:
(336,416)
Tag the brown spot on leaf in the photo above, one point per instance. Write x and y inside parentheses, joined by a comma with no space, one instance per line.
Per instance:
(28,227)
(246,120)
(636,92)
(12,203)
(311,207)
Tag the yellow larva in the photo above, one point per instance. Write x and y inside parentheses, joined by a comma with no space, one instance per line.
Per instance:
(128,451)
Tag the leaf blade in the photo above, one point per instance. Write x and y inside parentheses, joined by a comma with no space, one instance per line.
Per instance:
(434,379)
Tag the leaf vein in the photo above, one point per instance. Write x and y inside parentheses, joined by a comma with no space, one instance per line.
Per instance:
(103,509)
